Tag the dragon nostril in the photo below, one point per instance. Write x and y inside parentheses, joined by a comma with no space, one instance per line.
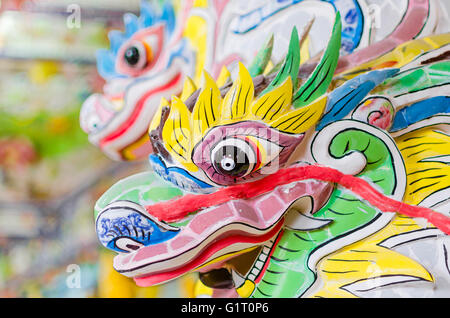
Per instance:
(127,244)
(132,247)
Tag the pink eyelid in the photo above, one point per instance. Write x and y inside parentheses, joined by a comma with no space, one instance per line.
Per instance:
(201,155)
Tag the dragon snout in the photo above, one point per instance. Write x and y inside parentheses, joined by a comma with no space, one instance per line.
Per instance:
(95,113)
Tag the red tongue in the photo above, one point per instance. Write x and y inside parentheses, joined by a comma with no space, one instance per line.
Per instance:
(176,209)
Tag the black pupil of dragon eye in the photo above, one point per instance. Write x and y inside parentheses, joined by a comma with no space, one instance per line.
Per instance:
(132,55)
(232,161)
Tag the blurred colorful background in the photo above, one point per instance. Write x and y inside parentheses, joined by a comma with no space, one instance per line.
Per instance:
(50,175)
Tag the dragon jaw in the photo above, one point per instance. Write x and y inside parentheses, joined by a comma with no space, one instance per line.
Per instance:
(218,233)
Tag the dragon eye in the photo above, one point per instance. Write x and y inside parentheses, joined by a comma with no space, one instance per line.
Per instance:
(234,157)
(136,56)
(238,153)
(140,53)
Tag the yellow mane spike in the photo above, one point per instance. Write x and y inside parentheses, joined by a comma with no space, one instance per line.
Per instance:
(427,174)
(208,82)
(236,103)
(273,104)
(300,120)
(206,110)
(184,129)
(157,117)
(304,50)
(305,42)
(338,270)
(189,88)
(177,132)
(224,76)
(268,68)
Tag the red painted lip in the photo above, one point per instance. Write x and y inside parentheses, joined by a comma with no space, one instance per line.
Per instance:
(154,279)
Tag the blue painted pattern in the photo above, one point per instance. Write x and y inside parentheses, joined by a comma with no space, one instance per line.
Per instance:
(178,176)
(123,222)
(421,110)
(345,98)
(352,23)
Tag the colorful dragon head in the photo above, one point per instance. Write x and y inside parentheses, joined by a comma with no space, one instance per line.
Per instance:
(272,174)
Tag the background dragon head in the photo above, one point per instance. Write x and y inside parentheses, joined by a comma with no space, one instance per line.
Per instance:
(144,63)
